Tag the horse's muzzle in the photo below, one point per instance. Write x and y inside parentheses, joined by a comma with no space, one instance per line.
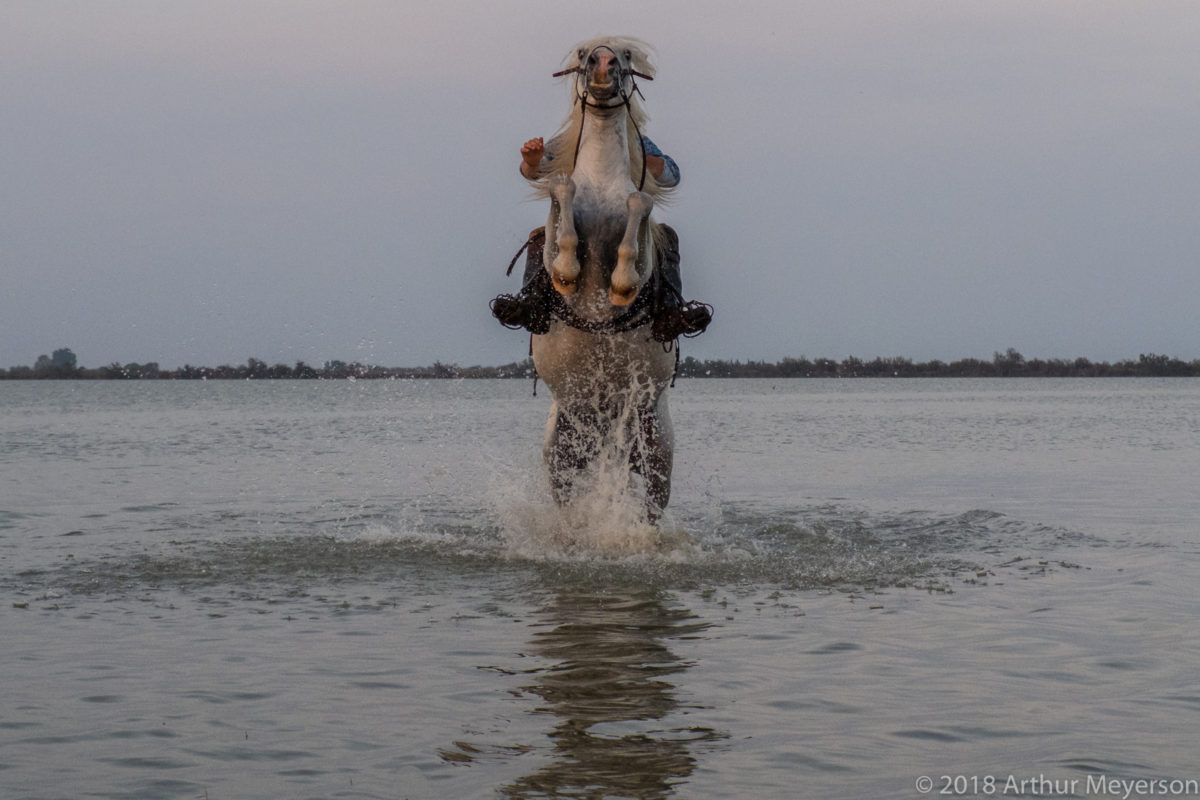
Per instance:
(603,73)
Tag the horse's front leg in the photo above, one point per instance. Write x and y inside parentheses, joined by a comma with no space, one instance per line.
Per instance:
(562,236)
(623,288)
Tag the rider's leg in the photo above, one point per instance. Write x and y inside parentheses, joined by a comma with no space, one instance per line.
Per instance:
(530,308)
(672,316)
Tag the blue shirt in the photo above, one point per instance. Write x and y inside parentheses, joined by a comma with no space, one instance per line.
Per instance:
(670,174)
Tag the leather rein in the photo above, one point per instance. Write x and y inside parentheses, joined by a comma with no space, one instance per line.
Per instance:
(637,315)
(581,97)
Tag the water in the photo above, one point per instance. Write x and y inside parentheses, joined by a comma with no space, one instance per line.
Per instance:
(361,590)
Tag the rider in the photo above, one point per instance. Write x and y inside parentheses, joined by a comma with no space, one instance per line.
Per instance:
(530,309)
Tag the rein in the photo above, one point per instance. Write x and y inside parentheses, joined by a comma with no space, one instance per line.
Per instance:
(581,97)
(637,315)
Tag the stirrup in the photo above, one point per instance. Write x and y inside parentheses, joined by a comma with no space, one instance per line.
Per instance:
(696,321)
(506,308)
(688,319)
(521,311)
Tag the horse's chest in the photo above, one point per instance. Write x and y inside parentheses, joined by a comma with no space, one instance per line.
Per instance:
(603,199)
(600,219)
(599,232)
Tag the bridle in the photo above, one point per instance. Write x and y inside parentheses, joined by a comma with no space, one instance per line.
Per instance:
(581,97)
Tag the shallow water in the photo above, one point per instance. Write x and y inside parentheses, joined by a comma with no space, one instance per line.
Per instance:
(361,589)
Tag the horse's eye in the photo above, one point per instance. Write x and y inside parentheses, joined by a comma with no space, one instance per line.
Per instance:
(581,54)
(628,55)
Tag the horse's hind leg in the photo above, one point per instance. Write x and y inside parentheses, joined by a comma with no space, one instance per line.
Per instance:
(652,459)
(568,450)
(623,287)
(562,236)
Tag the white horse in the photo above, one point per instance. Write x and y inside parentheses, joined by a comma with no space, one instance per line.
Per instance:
(607,375)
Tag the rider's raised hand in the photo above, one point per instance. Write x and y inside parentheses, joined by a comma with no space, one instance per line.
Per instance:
(531,157)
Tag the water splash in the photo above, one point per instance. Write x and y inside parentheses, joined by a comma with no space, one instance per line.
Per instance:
(606,521)
(522,538)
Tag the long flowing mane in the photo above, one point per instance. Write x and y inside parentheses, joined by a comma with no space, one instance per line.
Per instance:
(560,149)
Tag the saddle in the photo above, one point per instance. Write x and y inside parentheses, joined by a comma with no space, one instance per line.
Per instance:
(660,301)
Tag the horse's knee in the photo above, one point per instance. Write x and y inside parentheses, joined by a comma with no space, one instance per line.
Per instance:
(625,279)
(639,204)
(562,188)
(564,269)
(567,244)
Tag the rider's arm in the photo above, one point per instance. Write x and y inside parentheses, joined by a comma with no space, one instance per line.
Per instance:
(531,158)
(661,166)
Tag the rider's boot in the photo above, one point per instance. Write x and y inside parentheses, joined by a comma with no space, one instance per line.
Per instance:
(530,308)
(672,316)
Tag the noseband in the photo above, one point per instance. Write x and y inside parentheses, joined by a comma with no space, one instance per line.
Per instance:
(581,97)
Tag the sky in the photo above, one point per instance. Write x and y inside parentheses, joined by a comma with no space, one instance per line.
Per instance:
(204,181)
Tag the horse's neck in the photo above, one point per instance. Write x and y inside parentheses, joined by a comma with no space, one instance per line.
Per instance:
(602,167)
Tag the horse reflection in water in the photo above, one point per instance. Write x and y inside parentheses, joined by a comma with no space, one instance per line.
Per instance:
(608,680)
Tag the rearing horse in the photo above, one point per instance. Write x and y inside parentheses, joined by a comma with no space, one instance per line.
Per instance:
(607,374)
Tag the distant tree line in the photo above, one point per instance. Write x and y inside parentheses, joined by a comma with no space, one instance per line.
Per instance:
(63,365)
(1010,364)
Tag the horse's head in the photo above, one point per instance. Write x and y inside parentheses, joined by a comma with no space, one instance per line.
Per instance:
(605,68)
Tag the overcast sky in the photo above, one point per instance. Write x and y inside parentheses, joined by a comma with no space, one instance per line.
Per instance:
(201,182)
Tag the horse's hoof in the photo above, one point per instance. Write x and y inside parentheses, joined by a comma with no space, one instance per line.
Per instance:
(562,285)
(619,297)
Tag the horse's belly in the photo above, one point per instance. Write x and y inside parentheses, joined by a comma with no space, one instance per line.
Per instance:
(575,363)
